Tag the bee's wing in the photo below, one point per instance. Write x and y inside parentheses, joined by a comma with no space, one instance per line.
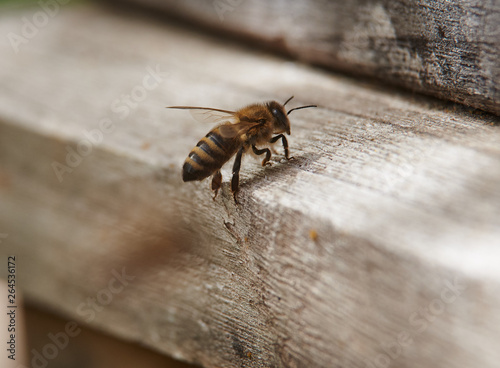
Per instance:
(230,127)
(208,114)
(213,116)
(233,130)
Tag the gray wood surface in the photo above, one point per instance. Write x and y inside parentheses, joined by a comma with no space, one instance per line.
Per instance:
(377,246)
(449,49)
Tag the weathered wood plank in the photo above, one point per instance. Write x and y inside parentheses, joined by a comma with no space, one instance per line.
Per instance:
(377,246)
(448,49)
(88,347)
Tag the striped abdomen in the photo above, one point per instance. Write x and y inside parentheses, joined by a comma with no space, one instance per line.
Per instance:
(211,152)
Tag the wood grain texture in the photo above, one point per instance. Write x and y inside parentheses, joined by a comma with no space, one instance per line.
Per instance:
(449,49)
(377,246)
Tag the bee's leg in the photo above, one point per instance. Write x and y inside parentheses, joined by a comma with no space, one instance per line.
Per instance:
(235,181)
(257,151)
(216,182)
(285,144)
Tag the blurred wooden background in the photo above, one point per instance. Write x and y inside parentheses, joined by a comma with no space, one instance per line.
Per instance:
(448,49)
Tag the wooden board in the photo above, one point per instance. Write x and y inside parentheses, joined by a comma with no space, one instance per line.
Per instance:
(377,246)
(446,49)
(89,348)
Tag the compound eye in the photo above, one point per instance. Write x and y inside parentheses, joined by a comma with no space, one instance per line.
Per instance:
(275,112)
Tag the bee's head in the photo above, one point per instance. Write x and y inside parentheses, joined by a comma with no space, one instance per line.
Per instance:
(281,122)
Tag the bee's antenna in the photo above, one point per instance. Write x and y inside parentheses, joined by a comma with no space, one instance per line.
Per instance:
(287,101)
(301,107)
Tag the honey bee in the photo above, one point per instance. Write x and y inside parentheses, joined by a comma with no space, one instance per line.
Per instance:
(240,130)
